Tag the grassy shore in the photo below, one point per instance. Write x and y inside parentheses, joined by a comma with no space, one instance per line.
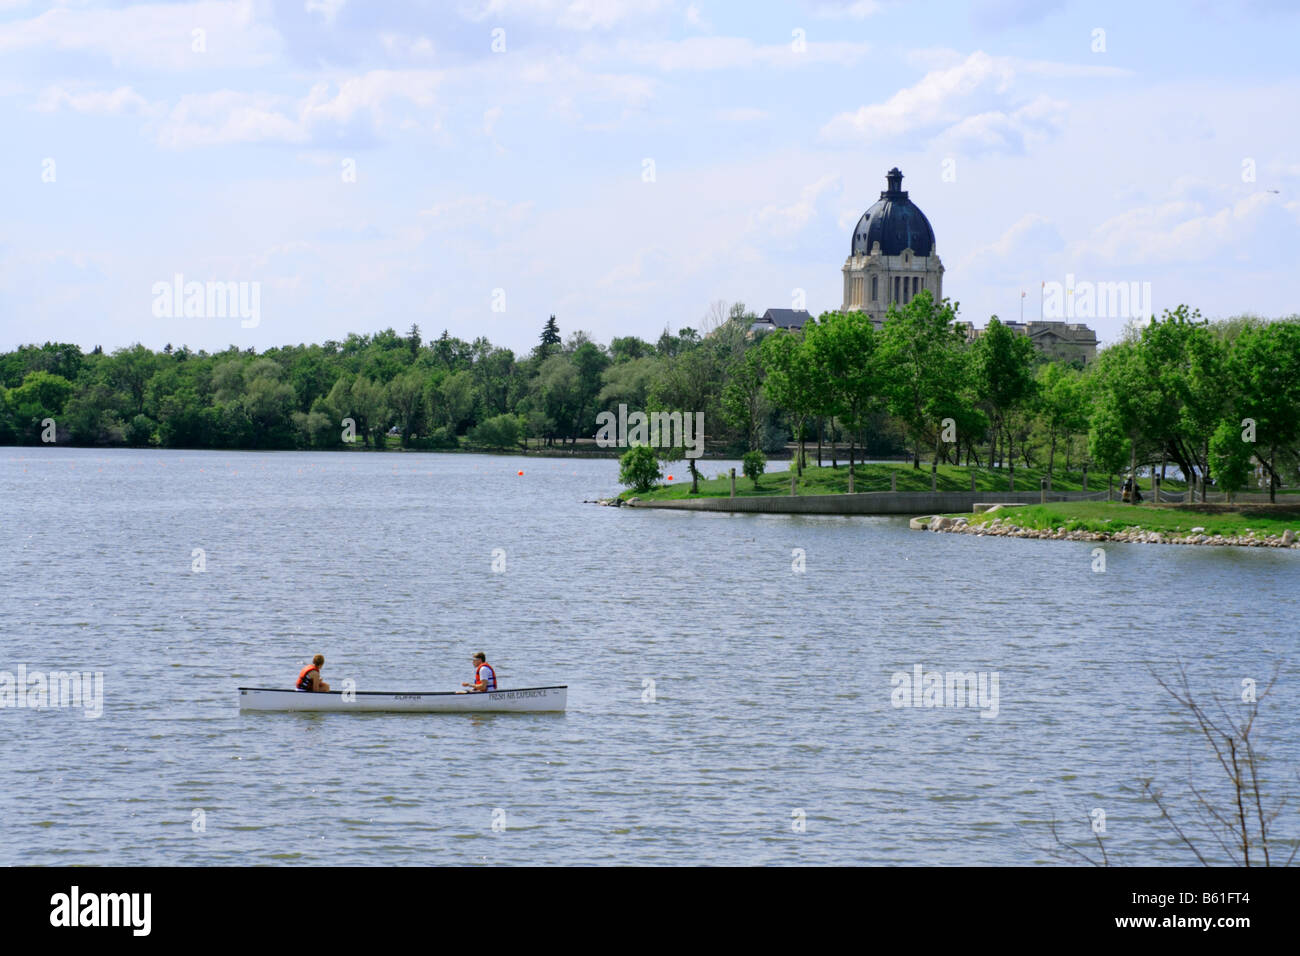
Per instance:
(874,477)
(1113,518)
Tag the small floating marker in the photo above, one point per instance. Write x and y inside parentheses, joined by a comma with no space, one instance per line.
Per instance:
(670,477)
(521,474)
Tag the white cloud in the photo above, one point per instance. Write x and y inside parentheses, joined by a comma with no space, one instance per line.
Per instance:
(1006,132)
(365,104)
(930,103)
(566,83)
(847,9)
(153,36)
(934,58)
(475,212)
(109,102)
(783,220)
(725,53)
(569,14)
(999,14)
(980,102)
(371,91)
(328,9)
(1024,244)
(403,47)
(1181,231)
(228,116)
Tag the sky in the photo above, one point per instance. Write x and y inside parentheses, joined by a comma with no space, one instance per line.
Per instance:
(478,165)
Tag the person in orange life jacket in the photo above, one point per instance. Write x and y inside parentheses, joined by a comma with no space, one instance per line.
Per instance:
(309,676)
(485,676)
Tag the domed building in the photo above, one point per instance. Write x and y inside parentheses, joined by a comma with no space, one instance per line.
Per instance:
(892,256)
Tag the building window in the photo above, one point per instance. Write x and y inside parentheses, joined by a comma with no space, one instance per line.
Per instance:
(875,292)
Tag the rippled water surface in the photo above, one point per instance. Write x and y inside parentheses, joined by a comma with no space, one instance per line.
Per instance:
(772,689)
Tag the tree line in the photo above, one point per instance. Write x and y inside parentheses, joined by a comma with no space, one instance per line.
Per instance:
(1219,401)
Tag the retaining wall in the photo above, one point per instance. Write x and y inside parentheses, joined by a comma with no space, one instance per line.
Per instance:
(867,503)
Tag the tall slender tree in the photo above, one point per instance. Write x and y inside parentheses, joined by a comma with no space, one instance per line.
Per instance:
(842,347)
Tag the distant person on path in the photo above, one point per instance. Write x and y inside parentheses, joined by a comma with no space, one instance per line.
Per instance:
(309,676)
(485,677)
(1130,490)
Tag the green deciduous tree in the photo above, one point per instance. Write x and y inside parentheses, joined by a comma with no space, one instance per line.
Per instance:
(500,431)
(792,383)
(639,468)
(842,347)
(1122,402)
(924,370)
(744,407)
(1230,458)
(689,383)
(1062,405)
(1265,368)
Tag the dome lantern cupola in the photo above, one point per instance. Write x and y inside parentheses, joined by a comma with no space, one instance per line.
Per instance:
(895,179)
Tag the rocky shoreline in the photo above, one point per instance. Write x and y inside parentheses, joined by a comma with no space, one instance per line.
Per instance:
(999,529)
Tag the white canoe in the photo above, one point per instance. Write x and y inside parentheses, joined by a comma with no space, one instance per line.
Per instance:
(524,699)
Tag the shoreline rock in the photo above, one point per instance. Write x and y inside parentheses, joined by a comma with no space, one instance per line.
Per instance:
(998,529)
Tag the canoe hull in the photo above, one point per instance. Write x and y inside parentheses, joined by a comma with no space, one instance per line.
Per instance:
(523,700)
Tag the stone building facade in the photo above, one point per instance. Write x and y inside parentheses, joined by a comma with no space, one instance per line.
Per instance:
(1062,341)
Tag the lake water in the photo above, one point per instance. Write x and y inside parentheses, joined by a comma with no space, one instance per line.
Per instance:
(771,707)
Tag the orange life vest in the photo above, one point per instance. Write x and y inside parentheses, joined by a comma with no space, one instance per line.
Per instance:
(492,681)
(304,683)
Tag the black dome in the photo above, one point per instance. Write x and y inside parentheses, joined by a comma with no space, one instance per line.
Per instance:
(895,222)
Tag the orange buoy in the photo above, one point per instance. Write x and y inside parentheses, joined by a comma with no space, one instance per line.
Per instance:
(670,477)
(521,474)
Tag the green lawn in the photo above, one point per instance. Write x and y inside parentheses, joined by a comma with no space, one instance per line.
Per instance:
(1114,517)
(831,481)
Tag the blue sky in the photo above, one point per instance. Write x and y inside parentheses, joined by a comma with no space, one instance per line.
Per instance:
(1162,150)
